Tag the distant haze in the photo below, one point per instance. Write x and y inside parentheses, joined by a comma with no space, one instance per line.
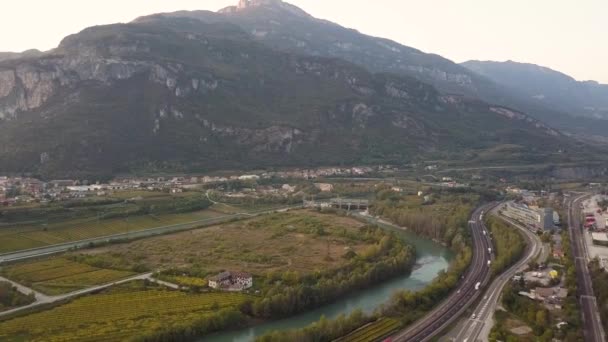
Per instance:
(569,36)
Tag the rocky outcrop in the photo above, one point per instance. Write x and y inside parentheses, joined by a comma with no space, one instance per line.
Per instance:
(29,85)
(7,82)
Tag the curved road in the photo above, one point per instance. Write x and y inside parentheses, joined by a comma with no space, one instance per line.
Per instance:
(473,328)
(465,293)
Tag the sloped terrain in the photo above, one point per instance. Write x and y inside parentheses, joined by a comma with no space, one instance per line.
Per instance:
(179,94)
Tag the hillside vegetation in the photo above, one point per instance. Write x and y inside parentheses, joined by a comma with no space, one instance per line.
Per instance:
(178,94)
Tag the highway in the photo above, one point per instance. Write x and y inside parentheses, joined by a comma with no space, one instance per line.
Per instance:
(63,247)
(478,329)
(464,295)
(593,330)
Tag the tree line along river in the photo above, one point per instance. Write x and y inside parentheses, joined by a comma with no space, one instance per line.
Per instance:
(431,258)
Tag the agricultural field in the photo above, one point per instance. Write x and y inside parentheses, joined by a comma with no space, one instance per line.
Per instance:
(57,276)
(184,280)
(119,314)
(302,241)
(14,238)
(373,331)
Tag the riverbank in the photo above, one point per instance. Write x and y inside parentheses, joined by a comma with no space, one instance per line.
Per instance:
(431,259)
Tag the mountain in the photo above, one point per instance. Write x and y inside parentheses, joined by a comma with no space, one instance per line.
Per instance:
(286,27)
(180,94)
(283,26)
(548,87)
(14,55)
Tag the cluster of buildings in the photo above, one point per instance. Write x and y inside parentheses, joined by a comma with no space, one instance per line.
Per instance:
(541,286)
(19,190)
(16,190)
(536,219)
(231,281)
(298,174)
(551,297)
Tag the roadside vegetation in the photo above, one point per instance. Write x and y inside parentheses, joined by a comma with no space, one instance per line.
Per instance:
(10,297)
(508,242)
(572,313)
(599,277)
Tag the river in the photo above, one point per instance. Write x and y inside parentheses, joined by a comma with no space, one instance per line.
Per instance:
(430,260)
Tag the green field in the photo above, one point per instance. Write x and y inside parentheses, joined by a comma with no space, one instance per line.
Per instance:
(117,315)
(373,331)
(14,238)
(59,275)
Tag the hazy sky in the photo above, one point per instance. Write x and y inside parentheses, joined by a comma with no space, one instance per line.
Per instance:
(566,35)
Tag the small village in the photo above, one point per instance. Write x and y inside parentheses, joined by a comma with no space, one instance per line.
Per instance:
(23,190)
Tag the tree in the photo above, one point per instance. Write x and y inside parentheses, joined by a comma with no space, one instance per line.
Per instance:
(541,318)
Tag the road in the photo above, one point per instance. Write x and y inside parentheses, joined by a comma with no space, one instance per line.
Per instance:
(464,295)
(63,247)
(478,329)
(593,330)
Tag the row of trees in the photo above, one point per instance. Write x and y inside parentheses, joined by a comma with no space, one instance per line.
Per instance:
(509,244)
(388,257)
(444,221)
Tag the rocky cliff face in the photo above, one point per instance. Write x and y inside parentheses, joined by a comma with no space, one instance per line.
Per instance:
(181,94)
(28,86)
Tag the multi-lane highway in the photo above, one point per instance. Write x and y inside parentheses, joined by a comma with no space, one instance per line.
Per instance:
(593,330)
(478,329)
(475,279)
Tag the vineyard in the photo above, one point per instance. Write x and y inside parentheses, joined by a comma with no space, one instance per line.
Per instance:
(372,332)
(185,281)
(117,316)
(58,275)
(30,236)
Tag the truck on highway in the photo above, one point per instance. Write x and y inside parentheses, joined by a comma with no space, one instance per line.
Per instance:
(490,250)
(489,262)
(477,286)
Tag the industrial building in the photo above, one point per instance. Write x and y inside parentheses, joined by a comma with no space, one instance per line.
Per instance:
(535,219)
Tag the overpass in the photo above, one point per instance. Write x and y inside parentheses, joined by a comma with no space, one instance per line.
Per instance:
(340,203)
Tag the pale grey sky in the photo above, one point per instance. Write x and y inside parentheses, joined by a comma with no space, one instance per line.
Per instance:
(566,35)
